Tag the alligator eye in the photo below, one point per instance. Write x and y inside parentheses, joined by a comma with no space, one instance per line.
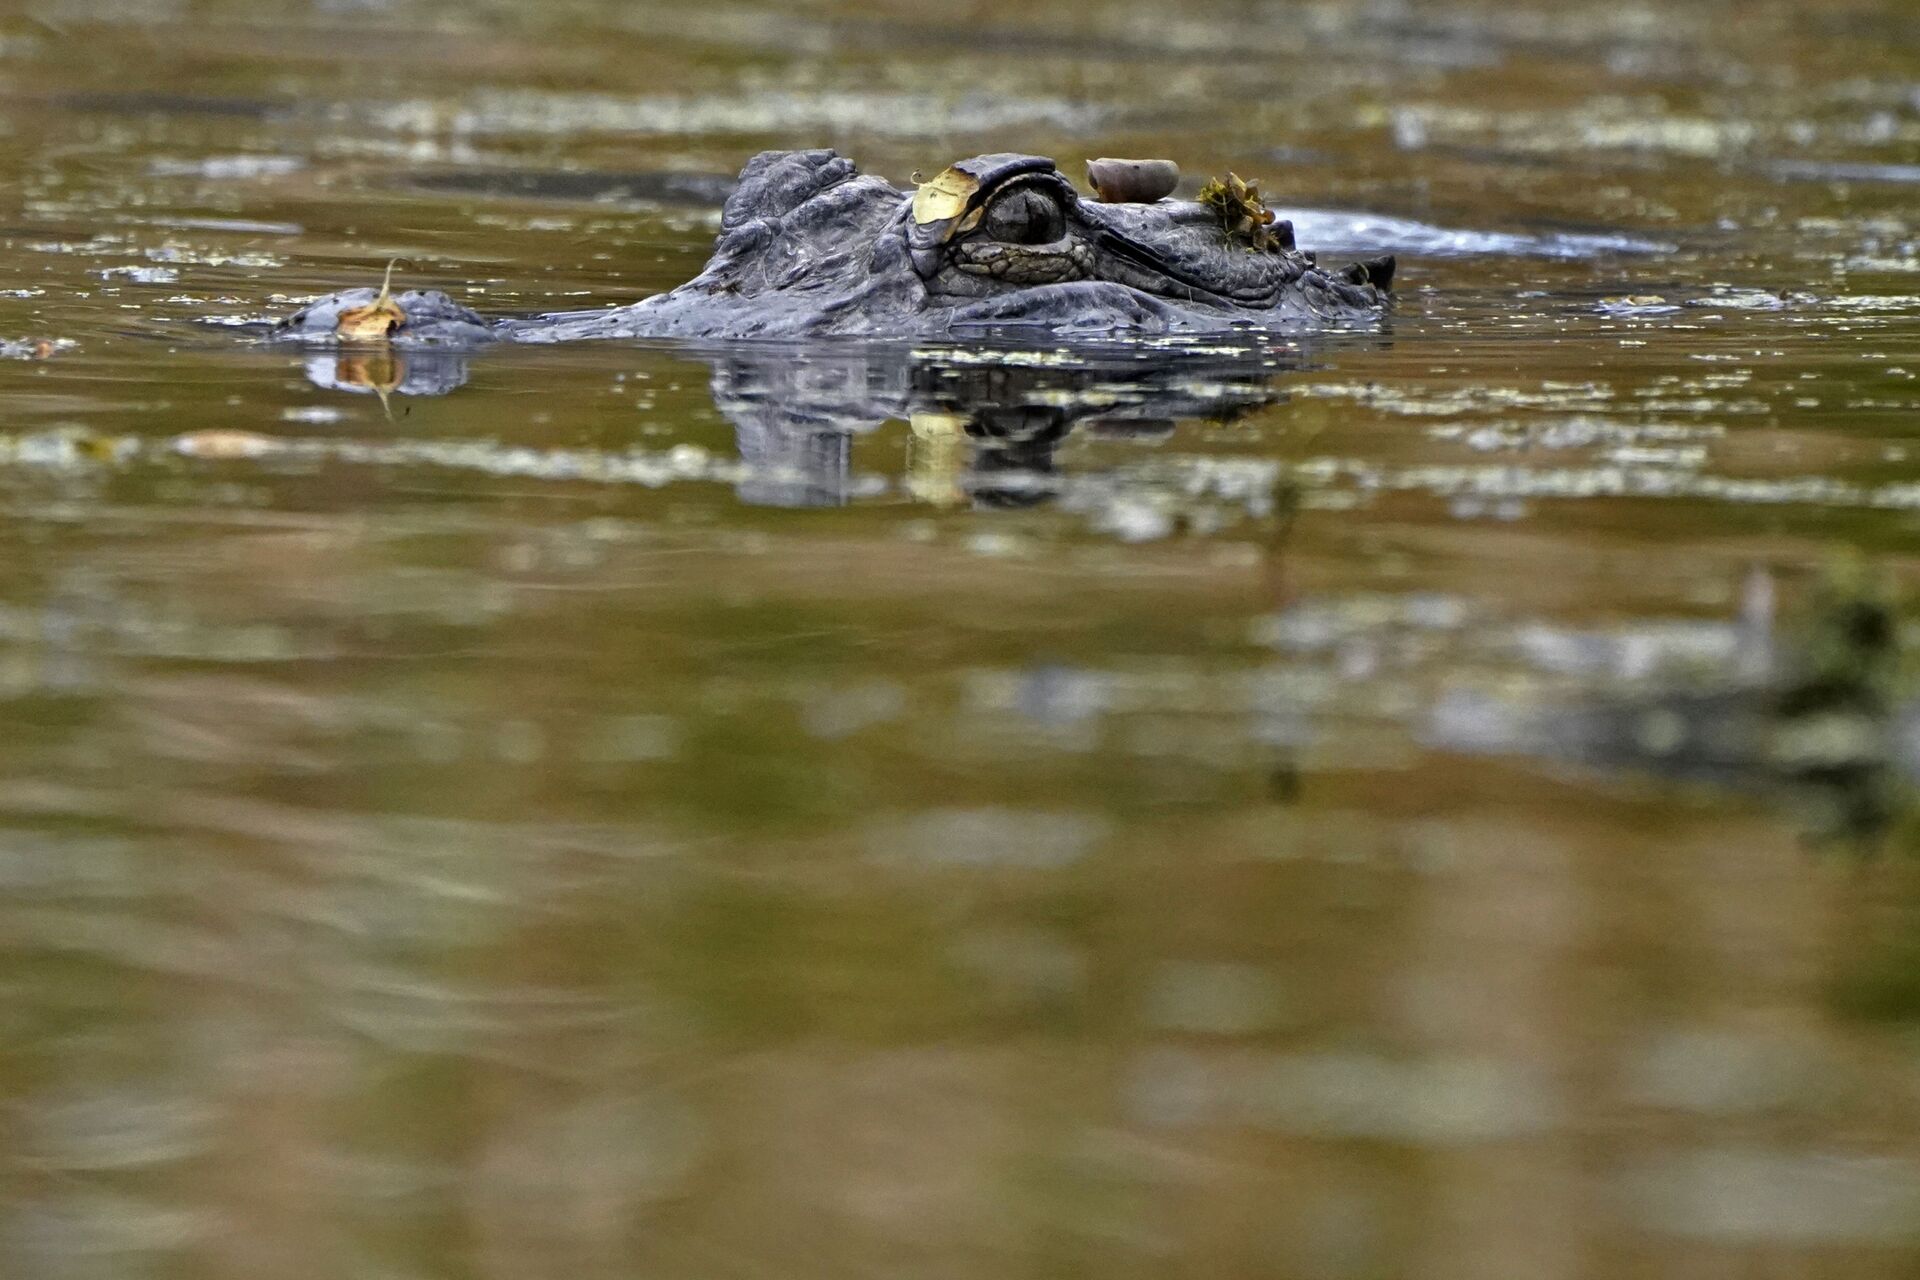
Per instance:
(1026,215)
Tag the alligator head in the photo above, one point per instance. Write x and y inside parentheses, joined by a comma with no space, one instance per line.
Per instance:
(810,246)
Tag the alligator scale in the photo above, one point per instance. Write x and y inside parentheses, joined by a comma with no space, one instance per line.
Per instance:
(809,246)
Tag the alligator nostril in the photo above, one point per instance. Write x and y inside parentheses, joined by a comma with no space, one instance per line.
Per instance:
(1377,272)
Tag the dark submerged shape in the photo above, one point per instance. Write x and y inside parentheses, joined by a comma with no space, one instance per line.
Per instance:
(810,246)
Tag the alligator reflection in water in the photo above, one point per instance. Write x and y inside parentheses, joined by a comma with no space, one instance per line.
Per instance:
(984,428)
(985,425)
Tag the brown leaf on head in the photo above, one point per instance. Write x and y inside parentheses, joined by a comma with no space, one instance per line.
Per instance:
(380,318)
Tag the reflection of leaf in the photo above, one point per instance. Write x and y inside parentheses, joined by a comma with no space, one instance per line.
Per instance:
(378,319)
(380,372)
(1243,215)
(936,456)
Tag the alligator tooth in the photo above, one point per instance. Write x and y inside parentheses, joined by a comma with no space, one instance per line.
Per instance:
(1132,181)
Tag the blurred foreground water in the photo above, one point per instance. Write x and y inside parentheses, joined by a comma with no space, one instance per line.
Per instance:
(1315,808)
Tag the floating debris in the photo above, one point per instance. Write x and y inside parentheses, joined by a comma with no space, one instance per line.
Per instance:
(225,444)
(315,414)
(142,275)
(378,319)
(1645,304)
(1243,215)
(228,167)
(34,348)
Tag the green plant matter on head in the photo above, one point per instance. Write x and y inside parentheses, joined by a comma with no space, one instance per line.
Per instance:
(1243,215)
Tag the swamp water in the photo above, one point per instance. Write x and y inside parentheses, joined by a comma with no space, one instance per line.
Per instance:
(1204,809)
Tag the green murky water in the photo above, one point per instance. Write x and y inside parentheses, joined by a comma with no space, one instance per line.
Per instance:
(951,812)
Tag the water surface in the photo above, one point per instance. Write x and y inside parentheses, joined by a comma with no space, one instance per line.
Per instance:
(1244,809)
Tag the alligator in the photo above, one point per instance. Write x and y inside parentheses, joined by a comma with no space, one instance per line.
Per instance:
(809,246)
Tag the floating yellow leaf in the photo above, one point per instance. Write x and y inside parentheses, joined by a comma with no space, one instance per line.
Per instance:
(378,319)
